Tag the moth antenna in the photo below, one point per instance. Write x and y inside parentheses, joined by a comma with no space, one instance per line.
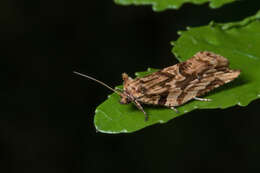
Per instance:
(98,81)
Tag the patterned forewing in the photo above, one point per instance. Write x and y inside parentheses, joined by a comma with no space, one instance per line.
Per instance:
(177,84)
(156,83)
(196,88)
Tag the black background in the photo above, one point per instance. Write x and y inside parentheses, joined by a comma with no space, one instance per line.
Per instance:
(47,123)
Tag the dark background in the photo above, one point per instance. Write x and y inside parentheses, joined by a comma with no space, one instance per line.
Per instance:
(47,123)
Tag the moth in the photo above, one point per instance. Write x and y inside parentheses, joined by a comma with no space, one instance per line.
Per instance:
(175,85)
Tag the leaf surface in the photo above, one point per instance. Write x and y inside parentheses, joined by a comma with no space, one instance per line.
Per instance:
(159,5)
(239,42)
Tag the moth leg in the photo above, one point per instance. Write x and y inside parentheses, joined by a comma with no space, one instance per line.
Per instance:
(139,106)
(173,108)
(202,99)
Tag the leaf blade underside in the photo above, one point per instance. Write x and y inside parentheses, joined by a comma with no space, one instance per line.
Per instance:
(159,5)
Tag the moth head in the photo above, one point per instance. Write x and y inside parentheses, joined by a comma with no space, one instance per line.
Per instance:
(126,79)
(125,96)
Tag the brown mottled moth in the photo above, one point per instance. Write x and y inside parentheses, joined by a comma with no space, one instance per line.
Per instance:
(177,84)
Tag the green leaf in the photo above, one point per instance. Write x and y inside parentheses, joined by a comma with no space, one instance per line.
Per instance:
(239,42)
(159,5)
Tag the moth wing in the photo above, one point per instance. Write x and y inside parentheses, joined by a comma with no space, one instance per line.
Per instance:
(177,76)
(206,83)
(209,81)
(198,87)
(155,83)
(177,84)
(167,98)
